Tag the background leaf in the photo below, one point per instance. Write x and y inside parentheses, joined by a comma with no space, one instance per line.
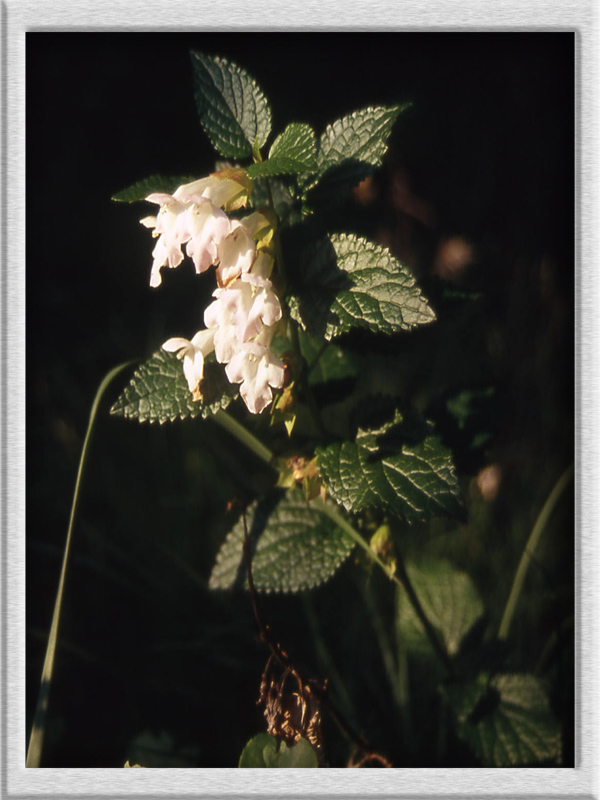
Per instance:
(158,391)
(351,282)
(233,109)
(293,151)
(155,183)
(263,751)
(449,599)
(391,468)
(507,720)
(295,546)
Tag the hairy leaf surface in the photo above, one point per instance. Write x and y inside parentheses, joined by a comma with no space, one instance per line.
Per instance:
(155,183)
(295,546)
(393,468)
(351,282)
(294,151)
(158,391)
(506,720)
(233,109)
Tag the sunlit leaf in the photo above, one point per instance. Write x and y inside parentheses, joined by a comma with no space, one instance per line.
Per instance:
(158,391)
(233,109)
(350,282)
(394,467)
(294,546)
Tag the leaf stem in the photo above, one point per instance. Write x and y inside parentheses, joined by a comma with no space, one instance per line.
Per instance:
(402,580)
(36,739)
(530,547)
(243,435)
(247,438)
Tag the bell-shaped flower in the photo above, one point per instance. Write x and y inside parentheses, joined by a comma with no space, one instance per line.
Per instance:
(222,320)
(228,188)
(193,354)
(171,231)
(205,226)
(244,308)
(258,370)
(237,252)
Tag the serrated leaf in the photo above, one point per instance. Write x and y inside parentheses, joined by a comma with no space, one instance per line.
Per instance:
(155,183)
(351,282)
(411,475)
(449,599)
(361,135)
(158,391)
(294,151)
(349,150)
(264,751)
(233,109)
(295,546)
(506,720)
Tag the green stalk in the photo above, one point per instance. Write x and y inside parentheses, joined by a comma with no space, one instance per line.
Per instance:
(257,447)
(243,435)
(36,739)
(530,547)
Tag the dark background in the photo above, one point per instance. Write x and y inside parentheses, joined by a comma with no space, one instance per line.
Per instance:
(151,664)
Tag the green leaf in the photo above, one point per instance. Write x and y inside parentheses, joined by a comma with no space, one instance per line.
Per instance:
(294,151)
(395,468)
(349,150)
(506,720)
(330,363)
(362,136)
(233,109)
(449,599)
(159,392)
(263,751)
(295,546)
(155,183)
(351,282)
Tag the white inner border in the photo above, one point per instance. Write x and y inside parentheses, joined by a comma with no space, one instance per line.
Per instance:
(188,15)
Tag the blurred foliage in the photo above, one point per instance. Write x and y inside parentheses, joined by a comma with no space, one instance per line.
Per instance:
(476,197)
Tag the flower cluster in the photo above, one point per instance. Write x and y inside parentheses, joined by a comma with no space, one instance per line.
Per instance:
(241,321)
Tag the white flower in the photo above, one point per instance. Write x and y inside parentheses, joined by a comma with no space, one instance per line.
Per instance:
(193,354)
(206,226)
(257,369)
(236,255)
(168,226)
(241,311)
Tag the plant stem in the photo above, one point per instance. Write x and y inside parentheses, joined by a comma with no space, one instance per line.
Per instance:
(36,739)
(247,438)
(243,435)
(532,543)
(292,327)
(402,580)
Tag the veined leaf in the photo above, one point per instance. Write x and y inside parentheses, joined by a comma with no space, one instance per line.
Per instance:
(361,135)
(233,109)
(349,150)
(392,468)
(351,282)
(265,751)
(506,720)
(294,151)
(155,183)
(294,546)
(449,599)
(158,391)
